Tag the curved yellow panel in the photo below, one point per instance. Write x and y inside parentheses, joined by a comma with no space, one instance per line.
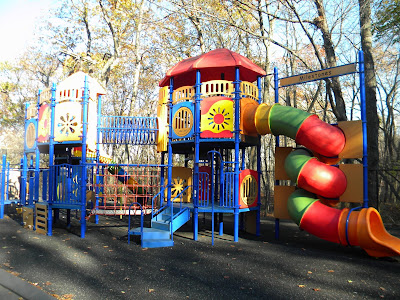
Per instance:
(217,88)
(184,93)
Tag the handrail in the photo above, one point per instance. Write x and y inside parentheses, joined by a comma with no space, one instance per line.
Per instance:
(347,223)
(141,221)
(152,203)
(180,207)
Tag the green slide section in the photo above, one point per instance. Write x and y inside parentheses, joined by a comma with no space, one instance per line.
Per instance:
(298,203)
(286,120)
(294,163)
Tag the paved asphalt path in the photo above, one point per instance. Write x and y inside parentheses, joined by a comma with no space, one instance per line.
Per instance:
(104,266)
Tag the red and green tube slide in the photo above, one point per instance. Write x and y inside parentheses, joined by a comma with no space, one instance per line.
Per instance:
(314,176)
(306,129)
(313,216)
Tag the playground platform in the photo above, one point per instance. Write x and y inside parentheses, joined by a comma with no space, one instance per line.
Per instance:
(104,266)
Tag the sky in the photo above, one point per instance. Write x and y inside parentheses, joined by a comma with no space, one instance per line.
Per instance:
(17,24)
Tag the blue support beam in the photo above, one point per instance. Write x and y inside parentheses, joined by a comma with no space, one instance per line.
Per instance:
(2,186)
(364,126)
(236,162)
(85,103)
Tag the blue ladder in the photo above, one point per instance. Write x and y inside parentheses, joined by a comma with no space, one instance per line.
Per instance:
(160,233)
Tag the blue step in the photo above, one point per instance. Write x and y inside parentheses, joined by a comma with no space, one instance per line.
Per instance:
(157,243)
(159,235)
(162,221)
(150,233)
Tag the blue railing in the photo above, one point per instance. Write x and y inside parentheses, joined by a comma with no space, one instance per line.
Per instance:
(66,184)
(204,189)
(132,130)
(228,199)
(141,221)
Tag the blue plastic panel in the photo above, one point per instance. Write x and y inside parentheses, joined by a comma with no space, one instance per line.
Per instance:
(183,120)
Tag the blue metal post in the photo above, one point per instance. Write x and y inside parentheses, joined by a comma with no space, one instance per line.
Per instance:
(23,180)
(98,155)
(237,141)
(52,188)
(162,177)
(196,155)
(8,181)
(44,186)
(2,185)
(276,90)
(212,183)
(169,170)
(85,102)
(37,155)
(258,216)
(32,187)
(364,126)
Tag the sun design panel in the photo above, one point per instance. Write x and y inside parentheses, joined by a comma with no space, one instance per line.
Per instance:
(181,179)
(44,124)
(68,122)
(182,121)
(248,188)
(216,118)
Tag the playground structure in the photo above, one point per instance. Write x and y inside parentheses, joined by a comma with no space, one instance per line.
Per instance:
(210,111)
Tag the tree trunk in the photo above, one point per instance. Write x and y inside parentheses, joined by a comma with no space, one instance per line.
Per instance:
(339,108)
(370,91)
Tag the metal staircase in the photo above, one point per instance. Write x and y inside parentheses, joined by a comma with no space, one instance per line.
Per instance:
(163,224)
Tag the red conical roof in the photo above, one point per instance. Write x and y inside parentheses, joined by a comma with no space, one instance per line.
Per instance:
(212,64)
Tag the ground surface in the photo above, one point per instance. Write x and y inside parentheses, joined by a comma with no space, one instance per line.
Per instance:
(104,266)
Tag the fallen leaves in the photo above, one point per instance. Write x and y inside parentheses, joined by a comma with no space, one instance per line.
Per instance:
(301,286)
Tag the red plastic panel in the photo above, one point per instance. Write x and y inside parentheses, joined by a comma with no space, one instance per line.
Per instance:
(248,188)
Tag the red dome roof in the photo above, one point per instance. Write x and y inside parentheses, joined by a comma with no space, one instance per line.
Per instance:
(212,64)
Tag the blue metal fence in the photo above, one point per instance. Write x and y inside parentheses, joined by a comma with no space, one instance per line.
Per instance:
(132,130)
(66,184)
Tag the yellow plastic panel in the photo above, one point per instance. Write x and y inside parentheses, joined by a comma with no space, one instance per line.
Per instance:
(281,196)
(184,93)
(354,139)
(249,90)
(68,122)
(181,178)
(162,124)
(354,176)
(45,96)
(31,111)
(163,95)
(280,155)
(217,88)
